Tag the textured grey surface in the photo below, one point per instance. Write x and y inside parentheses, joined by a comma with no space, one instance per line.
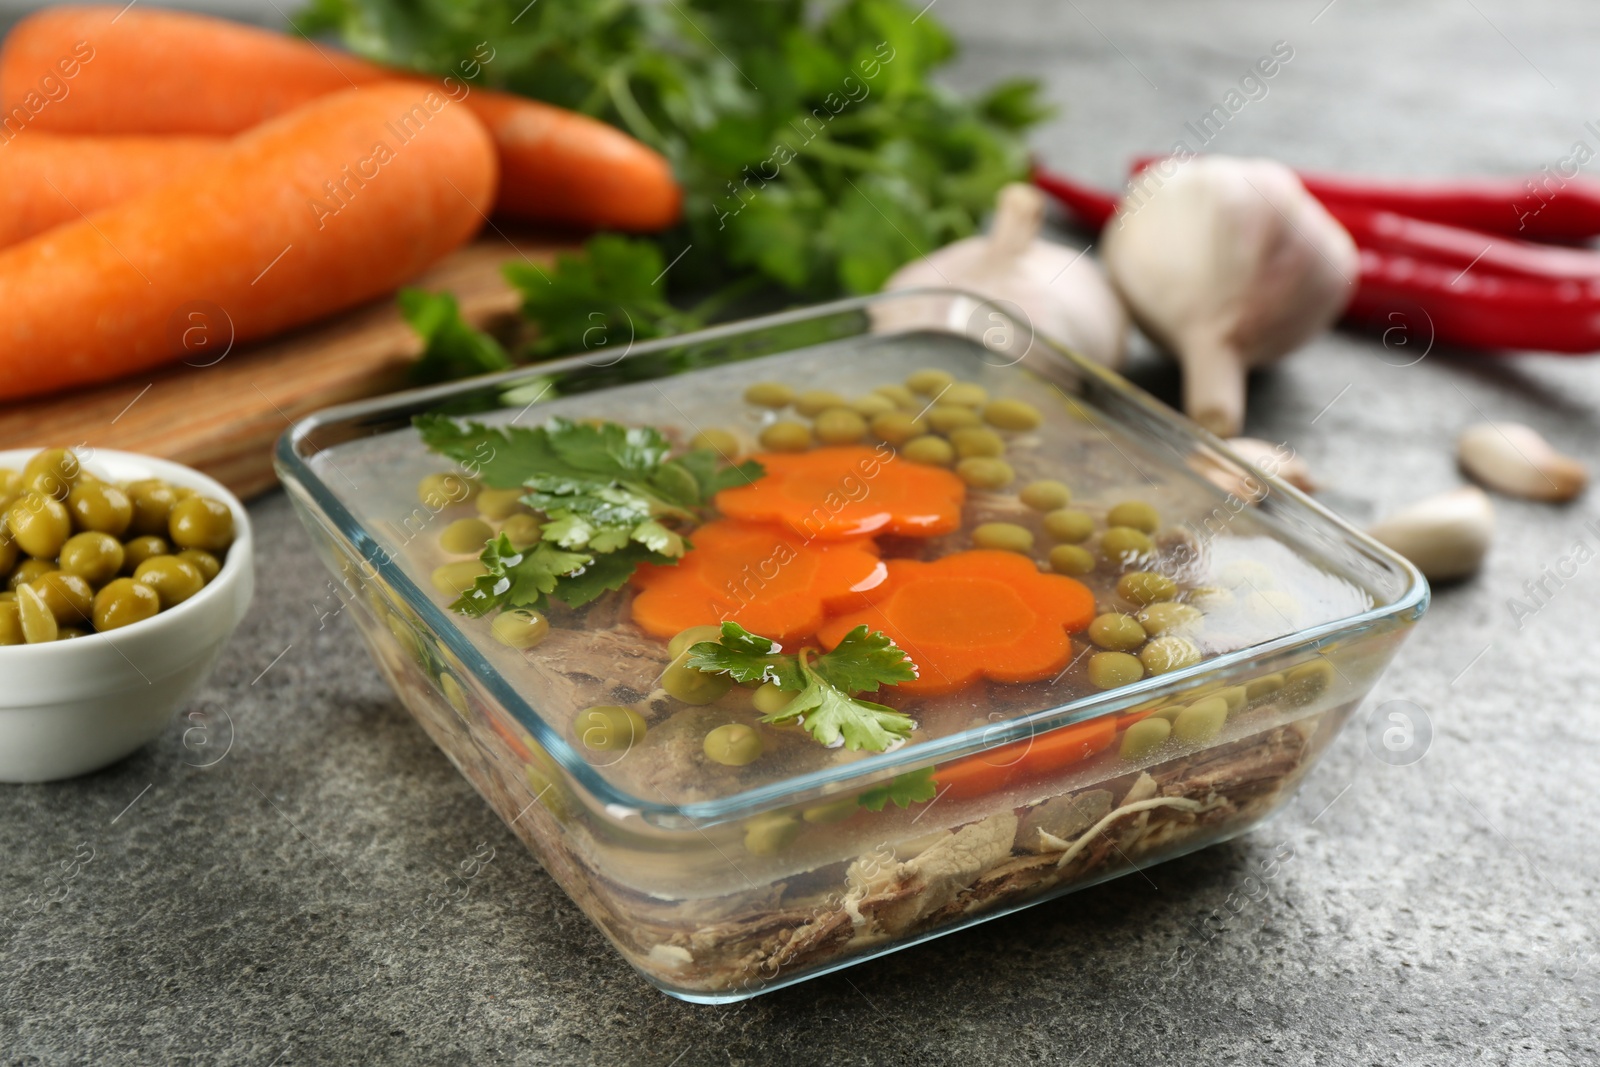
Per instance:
(274,907)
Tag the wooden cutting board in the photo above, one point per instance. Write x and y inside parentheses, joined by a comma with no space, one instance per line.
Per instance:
(224,415)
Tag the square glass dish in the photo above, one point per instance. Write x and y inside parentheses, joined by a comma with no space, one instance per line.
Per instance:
(724,855)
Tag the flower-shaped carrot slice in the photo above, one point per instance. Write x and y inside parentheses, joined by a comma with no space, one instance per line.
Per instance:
(979,614)
(829,494)
(764,578)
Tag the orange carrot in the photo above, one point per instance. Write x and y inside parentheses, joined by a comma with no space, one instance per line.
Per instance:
(992,771)
(765,579)
(135,70)
(311,213)
(848,491)
(46,180)
(971,615)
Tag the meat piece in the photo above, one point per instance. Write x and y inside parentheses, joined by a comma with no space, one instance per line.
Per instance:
(1063,817)
(581,668)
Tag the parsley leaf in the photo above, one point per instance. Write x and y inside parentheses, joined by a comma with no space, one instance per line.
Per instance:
(747,657)
(600,489)
(451,348)
(863,661)
(816,151)
(913,787)
(831,714)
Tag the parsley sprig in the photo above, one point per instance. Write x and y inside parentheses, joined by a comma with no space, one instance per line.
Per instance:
(824,684)
(612,496)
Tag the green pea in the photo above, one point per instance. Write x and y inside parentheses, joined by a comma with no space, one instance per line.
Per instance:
(683,640)
(200,522)
(1135,513)
(453,579)
(497,504)
(29,570)
(1073,560)
(453,694)
(11,623)
(52,472)
(39,525)
(523,531)
(520,628)
(609,728)
(786,436)
(929,381)
(1233,696)
(1110,670)
(1003,536)
(1165,616)
(9,551)
(1069,525)
(1164,654)
(767,835)
(1146,587)
(840,426)
(947,418)
(207,564)
(898,427)
(122,602)
(928,450)
(1116,632)
(715,439)
(1305,683)
(693,686)
(1267,685)
(814,402)
(1144,737)
(981,472)
(768,699)
(465,537)
(100,507)
(872,405)
(1047,495)
(769,395)
(1201,721)
(139,549)
(1014,415)
(438,491)
(39,623)
(831,812)
(93,556)
(1124,544)
(967,394)
(733,745)
(899,395)
(977,441)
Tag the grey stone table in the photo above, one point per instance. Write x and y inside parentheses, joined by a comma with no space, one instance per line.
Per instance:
(261,910)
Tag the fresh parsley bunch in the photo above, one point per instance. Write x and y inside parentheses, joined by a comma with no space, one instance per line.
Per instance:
(816,153)
(824,685)
(610,495)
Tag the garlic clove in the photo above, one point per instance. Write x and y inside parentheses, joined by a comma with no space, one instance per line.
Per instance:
(1446,536)
(1516,460)
(1059,292)
(1230,264)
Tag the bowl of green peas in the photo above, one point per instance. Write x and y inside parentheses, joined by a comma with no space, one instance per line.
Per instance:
(122,577)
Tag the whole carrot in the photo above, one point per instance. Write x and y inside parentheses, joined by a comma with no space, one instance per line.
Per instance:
(47,180)
(328,206)
(154,71)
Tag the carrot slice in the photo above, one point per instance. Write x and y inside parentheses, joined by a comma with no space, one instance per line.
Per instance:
(992,771)
(979,614)
(849,491)
(764,578)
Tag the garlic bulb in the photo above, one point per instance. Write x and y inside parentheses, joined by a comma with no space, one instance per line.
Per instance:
(1230,264)
(1060,292)
(1446,536)
(1515,459)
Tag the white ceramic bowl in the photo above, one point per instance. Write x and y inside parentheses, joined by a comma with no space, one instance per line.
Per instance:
(70,707)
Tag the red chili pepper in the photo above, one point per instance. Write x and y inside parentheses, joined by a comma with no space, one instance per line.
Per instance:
(1430,302)
(1452,246)
(1545,207)
(1092,206)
